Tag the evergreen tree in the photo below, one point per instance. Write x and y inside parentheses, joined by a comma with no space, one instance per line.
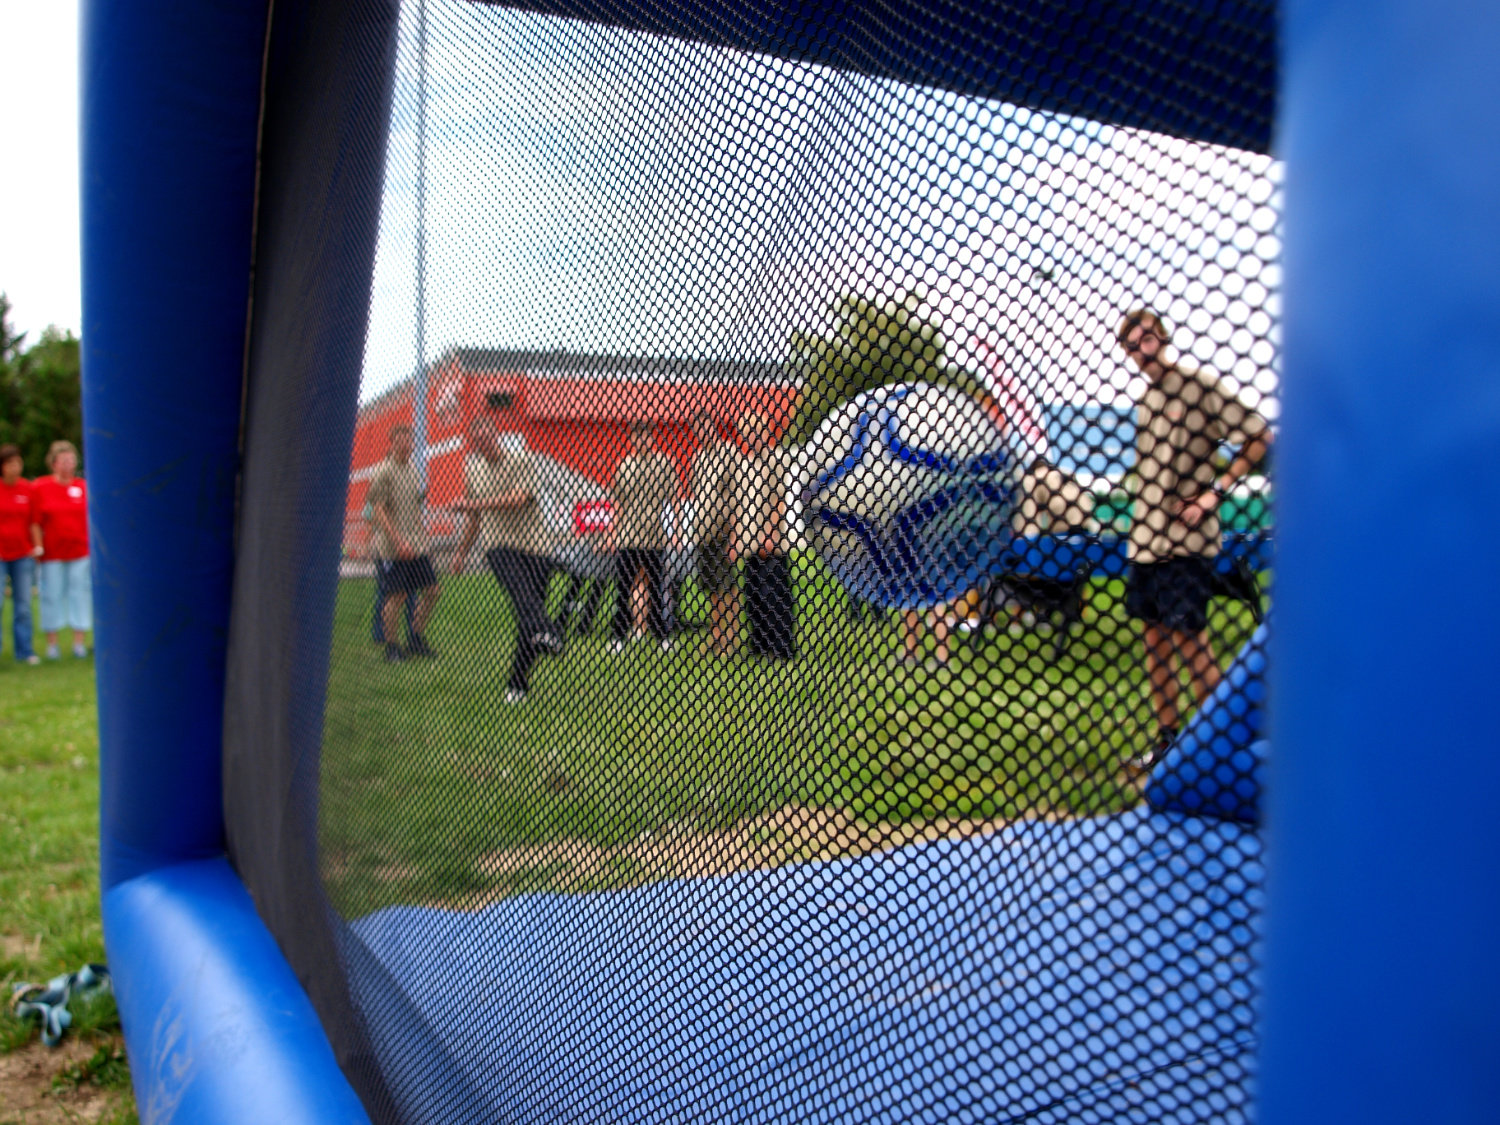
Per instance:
(40,392)
(874,343)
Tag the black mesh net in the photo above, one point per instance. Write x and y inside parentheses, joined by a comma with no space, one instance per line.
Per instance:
(796,644)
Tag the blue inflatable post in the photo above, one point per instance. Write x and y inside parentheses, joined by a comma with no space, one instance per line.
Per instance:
(1215,768)
(170,105)
(1382,984)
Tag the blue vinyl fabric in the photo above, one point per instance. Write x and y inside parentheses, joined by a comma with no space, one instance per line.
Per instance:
(170,97)
(1382,984)
(1217,766)
(219,1029)
(1224,96)
(916,985)
(1105,556)
(973,557)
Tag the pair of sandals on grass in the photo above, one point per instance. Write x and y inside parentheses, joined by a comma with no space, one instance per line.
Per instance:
(49,1002)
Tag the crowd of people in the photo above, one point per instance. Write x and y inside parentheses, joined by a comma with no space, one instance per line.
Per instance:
(44,541)
(732,516)
(732,507)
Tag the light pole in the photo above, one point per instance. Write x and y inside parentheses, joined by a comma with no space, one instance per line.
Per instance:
(419,388)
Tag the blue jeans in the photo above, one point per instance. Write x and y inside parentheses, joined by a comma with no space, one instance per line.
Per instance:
(22,574)
(67,597)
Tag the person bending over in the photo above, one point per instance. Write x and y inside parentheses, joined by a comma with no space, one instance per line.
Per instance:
(503,511)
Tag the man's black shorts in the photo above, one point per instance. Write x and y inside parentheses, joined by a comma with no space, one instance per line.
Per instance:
(1172,593)
(715,571)
(406,576)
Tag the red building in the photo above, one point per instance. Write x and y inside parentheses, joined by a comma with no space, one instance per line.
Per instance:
(574,410)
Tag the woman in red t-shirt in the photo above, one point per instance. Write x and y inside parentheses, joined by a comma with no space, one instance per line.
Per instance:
(60,520)
(18,550)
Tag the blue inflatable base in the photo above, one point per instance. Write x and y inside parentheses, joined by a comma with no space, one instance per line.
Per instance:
(1217,766)
(218,1028)
(1098,970)
(949,568)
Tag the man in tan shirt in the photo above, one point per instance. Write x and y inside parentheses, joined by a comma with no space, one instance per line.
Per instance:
(712,482)
(645,484)
(763,539)
(503,507)
(400,541)
(1182,419)
(1050,502)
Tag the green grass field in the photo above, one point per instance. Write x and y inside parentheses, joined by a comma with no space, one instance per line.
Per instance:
(49,880)
(621,769)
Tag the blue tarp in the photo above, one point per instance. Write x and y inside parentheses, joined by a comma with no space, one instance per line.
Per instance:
(1074,971)
(1217,767)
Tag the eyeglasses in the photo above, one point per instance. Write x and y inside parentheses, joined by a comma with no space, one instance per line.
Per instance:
(1135,345)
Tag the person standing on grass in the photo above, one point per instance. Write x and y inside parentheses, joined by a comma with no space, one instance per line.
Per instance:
(711,486)
(19,550)
(60,527)
(1182,418)
(935,621)
(763,539)
(645,484)
(502,505)
(377,619)
(404,568)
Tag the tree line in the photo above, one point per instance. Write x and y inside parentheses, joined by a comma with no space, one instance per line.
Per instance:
(40,392)
(874,342)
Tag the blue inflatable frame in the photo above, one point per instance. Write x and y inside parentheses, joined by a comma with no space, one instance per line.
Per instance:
(1381,991)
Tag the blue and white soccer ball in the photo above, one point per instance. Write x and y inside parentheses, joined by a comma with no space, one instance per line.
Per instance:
(911,495)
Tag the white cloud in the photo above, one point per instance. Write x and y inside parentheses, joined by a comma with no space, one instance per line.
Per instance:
(39,246)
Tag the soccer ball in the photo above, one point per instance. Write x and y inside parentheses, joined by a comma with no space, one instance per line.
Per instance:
(912,494)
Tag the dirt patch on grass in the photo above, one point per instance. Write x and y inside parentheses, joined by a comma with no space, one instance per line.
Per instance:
(52,1085)
(790,835)
(17,947)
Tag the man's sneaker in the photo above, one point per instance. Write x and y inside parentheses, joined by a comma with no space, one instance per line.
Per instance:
(1164,739)
(666,644)
(52,653)
(79,652)
(614,648)
(548,642)
(514,696)
(32,659)
(393,654)
(418,646)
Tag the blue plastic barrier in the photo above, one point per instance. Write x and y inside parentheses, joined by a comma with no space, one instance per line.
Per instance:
(220,1029)
(914,976)
(1217,766)
(1062,556)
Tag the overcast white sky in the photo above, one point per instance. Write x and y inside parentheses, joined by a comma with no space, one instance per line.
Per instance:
(602,190)
(569,206)
(39,163)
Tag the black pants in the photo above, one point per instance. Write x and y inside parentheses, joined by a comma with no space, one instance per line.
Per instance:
(524,577)
(629,561)
(577,610)
(768,605)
